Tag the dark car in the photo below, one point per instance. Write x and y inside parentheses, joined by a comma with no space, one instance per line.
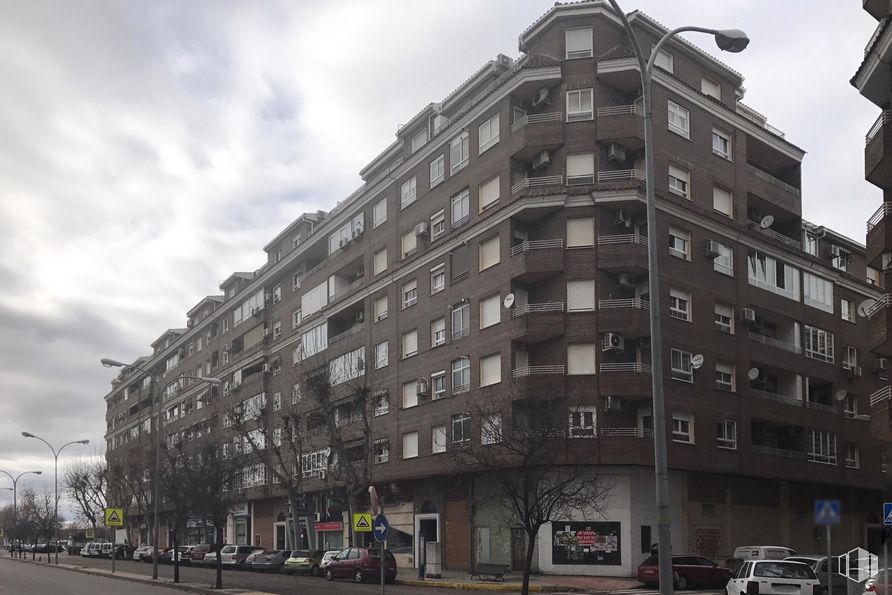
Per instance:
(201,550)
(688,571)
(360,564)
(269,561)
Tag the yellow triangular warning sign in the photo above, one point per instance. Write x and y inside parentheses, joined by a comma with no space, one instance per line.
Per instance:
(362,522)
(113,517)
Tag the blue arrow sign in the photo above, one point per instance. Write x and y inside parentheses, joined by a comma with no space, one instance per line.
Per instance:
(887,513)
(827,512)
(380,528)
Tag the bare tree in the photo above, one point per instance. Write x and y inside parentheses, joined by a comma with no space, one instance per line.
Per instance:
(86,483)
(524,449)
(36,510)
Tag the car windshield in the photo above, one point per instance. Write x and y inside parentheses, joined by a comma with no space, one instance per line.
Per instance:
(228,549)
(784,570)
(300,554)
(811,563)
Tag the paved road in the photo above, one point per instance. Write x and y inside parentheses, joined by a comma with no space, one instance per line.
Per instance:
(25,579)
(268,582)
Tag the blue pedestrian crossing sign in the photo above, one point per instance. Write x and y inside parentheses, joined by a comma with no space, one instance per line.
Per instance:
(381,528)
(827,512)
(887,513)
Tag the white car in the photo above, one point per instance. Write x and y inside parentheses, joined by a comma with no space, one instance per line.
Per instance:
(774,577)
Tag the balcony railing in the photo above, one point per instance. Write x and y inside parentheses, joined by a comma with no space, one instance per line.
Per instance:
(462,332)
(777,452)
(343,335)
(626,238)
(536,371)
(637,303)
(879,215)
(318,267)
(772,180)
(820,407)
(621,110)
(534,308)
(625,432)
(536,119)
(536,245)
(635,367)
(883,302)
(766,340)
(344,291)
(777,398)
(773,234)
(621,175)
(877,397)
(538,182)
(884,117)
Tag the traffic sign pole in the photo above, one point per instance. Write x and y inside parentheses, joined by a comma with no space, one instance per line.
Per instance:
(829,564)
(381,508)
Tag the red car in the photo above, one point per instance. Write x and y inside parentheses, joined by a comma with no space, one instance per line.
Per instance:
(360,564)
(688,570)
(201,550)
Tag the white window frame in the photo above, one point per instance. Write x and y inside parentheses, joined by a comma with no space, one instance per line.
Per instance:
(410,445)
(711,88)
(437,169)
(664,60)
(726,434)
(847,310)
(407,353)
(460,319)
(716,202)
(581,295)
(438,332)
(682,428)
(486,190)
(724,262)
(720,326)
(680,365)
(483,248)
(726,376)
(461,370)
(680,305)
(459,152)
(462,200)
(581,44)
(487,306)
(576,110)
(821,447)
(438,224)
(817,292)
(853,456)
(818,344)
(380,254)
(419,140)
(679,119)
(490,369)
(438,278)
(438,433)
(574,353)
(721,144)
(580,169)
(438,385)
(580,232)
(679,243)
(680,182)
(488,133)
(408,192)
(408,244)
(382,355)
(462,420)
(382,450)
(409,293)
(377,311)
(491,429)
(578,424)
(379,213)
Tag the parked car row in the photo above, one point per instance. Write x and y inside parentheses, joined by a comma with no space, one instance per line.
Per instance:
(96,549)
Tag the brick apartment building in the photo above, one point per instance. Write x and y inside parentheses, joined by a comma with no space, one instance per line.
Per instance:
(526,182)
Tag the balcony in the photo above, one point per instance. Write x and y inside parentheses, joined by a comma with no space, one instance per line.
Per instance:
(532,323)
(623,124)
(537,183)
(874,78)
(625,379)
(646,433)
(879,236)
(624,252)
(525,371)
(767,231)
(536,132)
(776,397)
(537,259)
(880,331)
(773,451)
(773,342)
(774,190)
(881,414)
(878,151)
(878,9)
(343,335)
(621,72)
(629,317)
(618,179)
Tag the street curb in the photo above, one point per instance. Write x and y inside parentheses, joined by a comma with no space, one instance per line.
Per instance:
(188,587)
(494,587)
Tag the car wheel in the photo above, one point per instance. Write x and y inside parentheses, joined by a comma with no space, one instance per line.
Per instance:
(329,575)
(681,583)
(358,576)
(314,571)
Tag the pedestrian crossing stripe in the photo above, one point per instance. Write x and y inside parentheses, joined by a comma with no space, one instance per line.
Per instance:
(827,512)
(887,513)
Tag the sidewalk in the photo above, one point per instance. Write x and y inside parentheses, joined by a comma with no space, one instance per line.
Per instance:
(550,583)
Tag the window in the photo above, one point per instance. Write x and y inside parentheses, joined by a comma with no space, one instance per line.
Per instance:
(410,445)
(488,193)
(724,319)
(488,253)
(490,369)
(277,330)
(296,394)
(461,320)
(847,309)
(818,344)
(821,447)
(382,403)
(681,368)
(410,293)
(721,144)
(680,243)
(348,366)
(410,394)
(664,60)
(579,105)
(581,358)
(382,450)
(410,344)
(379,213)
(679,120)
(683,428)
(277,294)
(488,133)
(437,170)
(580,169)
(841,258)
(810,244)
(408,190)
(578,42)
(315,299)
(438,382)
(722,201)
(438,439)
(853,456)
(459,149)
(313,341)
(773,275)
(379,262)
(724,262)
(438,332)
(680,304)
(408,243)
(725,376)
(850,409)
(580,232)
(461,205)
(438,279)
(817,292)
(381,355)
(582,422)
(726,434)
(679,181)
(581,295)
(296,280)
(491,429)
(490,311)
(461,375)
(419,140)
(850,357)
(438,224)
(711,88)
(461,428)
(380,308)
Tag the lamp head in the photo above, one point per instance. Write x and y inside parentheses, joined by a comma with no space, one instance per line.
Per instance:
(110,363)
(27,434)
(83,442)
(210,380)
(37,472)
(731,40)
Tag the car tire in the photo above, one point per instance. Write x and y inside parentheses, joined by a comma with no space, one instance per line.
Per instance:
(329,575)
(314,571)
(357,577)
(681,582)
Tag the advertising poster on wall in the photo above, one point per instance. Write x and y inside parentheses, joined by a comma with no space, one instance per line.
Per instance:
(583,542)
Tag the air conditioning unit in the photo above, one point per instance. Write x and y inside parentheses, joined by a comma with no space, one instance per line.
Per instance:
(747,315)
(612,404)
(712,249)
(267,368)
(880,364)
(625,280)
(360,316)
(542,160)
(623,217)
(421,229)
(613,342)
(616,153)
(542,97)
(422,388)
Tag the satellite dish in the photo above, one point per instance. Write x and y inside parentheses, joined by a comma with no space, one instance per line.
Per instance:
(753,373)
(841,394)
(509,300)
(866,306)
(766,221)
(697,361)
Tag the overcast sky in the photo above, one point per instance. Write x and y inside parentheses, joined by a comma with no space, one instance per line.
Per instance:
(149,149)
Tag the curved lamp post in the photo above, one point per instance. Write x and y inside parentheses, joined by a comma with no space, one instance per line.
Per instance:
(729,40)
(156,505)
(15,481)
(56,454)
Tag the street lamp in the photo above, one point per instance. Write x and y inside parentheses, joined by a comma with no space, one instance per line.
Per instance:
(156,479)
(729,40)
(15,481)
(56,454)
